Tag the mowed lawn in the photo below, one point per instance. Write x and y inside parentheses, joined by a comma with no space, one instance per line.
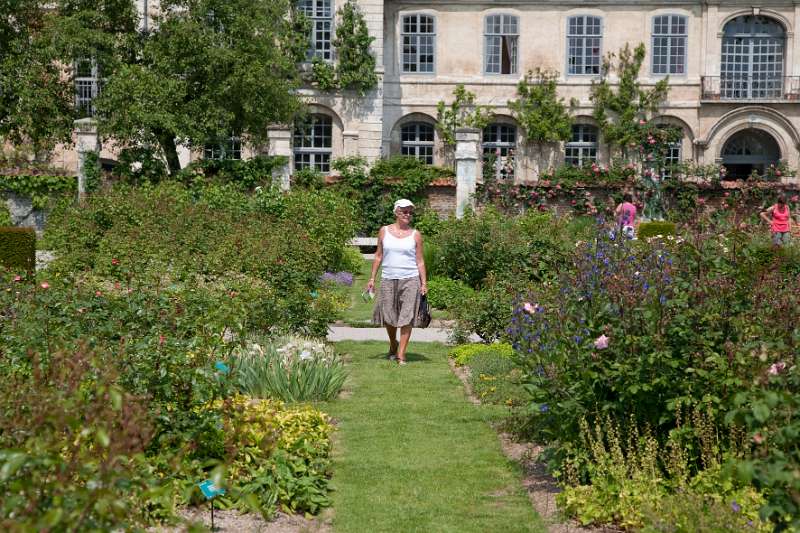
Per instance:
(412,454)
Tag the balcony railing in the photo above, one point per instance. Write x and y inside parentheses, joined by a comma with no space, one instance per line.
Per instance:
(751,87)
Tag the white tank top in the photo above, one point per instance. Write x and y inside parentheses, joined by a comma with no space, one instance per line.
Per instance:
(399,256)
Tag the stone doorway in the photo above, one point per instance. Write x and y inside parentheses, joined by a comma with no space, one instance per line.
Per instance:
(749,150)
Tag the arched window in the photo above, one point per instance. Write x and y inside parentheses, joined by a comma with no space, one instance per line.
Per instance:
(749,150)
(416,140)
(500,141)
(419,43)
(313,143)
(584,40)
(582,146)
(501,44)
(752,58)
(669,44)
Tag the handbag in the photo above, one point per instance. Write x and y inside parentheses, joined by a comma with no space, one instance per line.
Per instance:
(423,313)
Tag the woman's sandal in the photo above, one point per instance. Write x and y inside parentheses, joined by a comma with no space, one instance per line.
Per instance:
(393,351)
(401,362)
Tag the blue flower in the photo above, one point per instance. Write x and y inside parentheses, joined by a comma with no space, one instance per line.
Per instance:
(578,339)
(736,507)
(544,408)
(662,299)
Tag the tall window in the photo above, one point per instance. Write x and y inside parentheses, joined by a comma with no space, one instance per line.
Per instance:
(669,44)
(416,140)
(500,140)
(584,37)
(320,12)
(230,148)
(313,143)
(672,156)
(87,85)
(582,147)
(419,43)
(752,58)
(502,41)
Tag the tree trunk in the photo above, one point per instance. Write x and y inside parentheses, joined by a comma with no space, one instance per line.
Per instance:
(170,149)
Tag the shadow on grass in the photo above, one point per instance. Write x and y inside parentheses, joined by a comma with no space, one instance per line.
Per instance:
(410,356)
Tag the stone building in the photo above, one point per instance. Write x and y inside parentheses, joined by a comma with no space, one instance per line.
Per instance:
(733,67)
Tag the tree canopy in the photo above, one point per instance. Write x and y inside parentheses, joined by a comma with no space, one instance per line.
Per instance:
(204,70)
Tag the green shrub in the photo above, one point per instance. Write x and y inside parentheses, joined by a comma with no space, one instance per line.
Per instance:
(462,355)
(5,214)
(245,173)
(651,229)
(495,378)
(18,248)
(488,311)
(289,369)
(512,249)
(446,293)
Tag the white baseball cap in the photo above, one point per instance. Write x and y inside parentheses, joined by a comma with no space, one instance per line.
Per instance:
(403,202)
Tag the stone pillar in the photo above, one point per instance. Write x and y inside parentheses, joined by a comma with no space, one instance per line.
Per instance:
(280,144)
(86,141)
(350,143)
(467,143)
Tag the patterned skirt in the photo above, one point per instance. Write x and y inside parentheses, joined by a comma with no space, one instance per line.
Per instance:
(397,303)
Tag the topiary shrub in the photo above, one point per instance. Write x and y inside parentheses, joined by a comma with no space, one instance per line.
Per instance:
(18,248)
(651,229)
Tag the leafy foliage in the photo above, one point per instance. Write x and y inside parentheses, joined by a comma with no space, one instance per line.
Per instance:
(18,248)
(619,111)
(462,112)
(538,109)
(444,293)
(208,70)
(355,68)
(289,369)
(463,355)
(40,188)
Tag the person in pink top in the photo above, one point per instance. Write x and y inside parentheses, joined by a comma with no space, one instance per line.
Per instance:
(625,213)
(780,221)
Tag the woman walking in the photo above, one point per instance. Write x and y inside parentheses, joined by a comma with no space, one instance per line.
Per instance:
(780,221)
(403,278)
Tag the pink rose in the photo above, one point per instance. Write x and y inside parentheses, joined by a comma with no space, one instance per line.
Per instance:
(528,308)
(795,198)
(758,438)
(98,293)
(642,122)
(601,342)
(777,368)
(17,278)
(115,261)
(778,173)
(45,285)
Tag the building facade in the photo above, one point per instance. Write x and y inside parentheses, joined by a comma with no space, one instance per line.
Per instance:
(733,67)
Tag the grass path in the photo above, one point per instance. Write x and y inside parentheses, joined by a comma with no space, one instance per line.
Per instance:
(414,455)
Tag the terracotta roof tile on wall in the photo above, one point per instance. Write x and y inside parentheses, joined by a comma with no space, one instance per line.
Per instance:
(438,182)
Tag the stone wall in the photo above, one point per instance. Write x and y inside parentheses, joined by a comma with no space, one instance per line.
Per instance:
(22,212)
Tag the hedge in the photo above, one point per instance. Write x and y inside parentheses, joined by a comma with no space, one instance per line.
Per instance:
(18,248)
(651,229)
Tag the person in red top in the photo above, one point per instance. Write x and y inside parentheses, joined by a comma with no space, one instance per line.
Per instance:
(625,214)
(780,221)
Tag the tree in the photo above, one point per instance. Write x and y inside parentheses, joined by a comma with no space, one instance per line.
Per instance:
(543,116)
(462,112)
(620,112)
(210,70)
(356,68)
